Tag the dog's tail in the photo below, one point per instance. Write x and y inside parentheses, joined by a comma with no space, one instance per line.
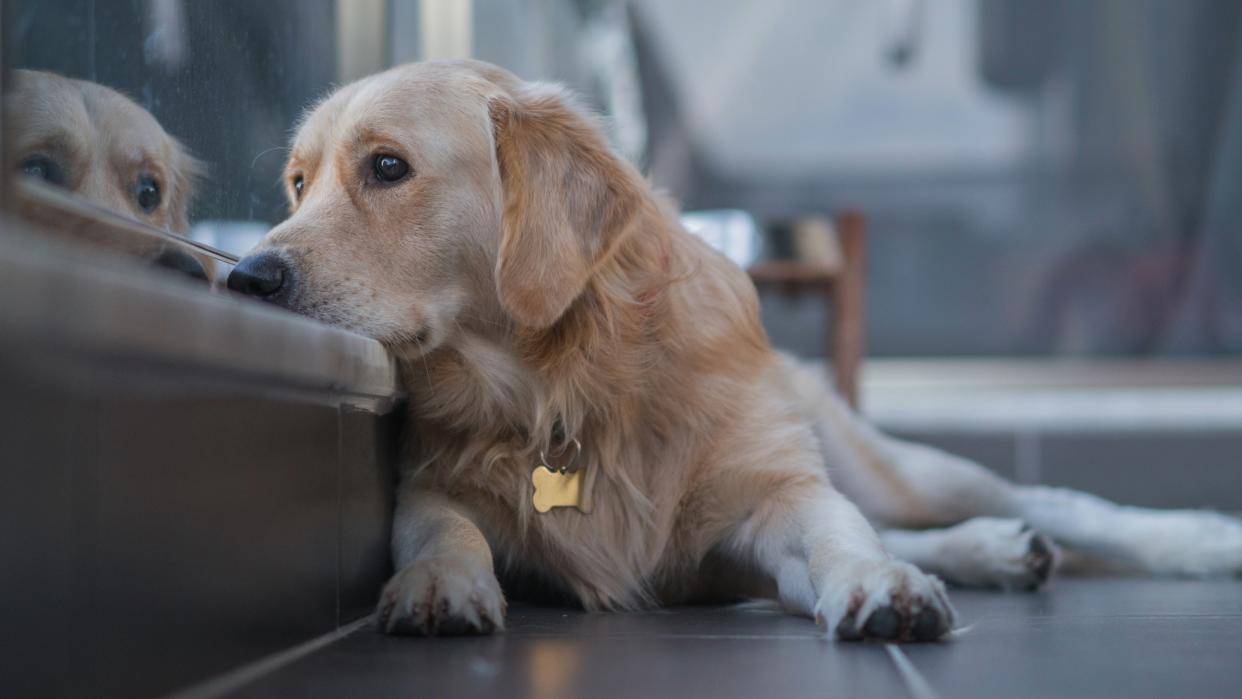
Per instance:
(894,483)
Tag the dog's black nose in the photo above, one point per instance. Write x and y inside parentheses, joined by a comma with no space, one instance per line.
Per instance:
(180,261)
(263,275)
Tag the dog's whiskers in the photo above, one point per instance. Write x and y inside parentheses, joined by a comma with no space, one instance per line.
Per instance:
(269,150)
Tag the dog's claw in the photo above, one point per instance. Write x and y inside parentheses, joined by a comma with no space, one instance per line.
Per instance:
(441,596)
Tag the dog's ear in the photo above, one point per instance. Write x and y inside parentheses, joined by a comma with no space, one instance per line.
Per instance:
(568,201)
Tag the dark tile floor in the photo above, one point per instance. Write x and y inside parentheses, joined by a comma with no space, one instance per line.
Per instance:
(1079,638)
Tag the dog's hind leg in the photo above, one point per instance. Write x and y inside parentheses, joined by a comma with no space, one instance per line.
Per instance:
(1196,543)
(980,552)
(911,486)
(904,485)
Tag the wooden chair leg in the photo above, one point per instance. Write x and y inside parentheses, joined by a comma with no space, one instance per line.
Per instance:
(847,334)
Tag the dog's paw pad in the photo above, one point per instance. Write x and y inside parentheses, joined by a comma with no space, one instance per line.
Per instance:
(885,601)
(884,623)
(441,597)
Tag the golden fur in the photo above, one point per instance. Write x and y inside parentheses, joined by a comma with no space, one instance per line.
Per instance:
(530,281)
(628,344)
(535,289)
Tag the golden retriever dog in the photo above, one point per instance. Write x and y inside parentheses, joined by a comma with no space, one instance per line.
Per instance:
(564,341)
(101,146)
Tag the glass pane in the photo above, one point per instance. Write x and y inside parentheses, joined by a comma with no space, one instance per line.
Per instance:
(225,80)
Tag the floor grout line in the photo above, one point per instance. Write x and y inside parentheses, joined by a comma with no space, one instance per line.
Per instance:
(918,685)
(236,679)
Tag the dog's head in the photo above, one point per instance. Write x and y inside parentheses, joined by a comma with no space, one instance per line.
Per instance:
(440,195)
(100,145)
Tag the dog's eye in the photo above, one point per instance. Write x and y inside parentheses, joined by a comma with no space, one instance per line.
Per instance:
(298,183)
(43,168)
(147,192)
(390,168)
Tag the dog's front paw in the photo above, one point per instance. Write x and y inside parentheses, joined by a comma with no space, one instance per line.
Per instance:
(446,596)
(884,600)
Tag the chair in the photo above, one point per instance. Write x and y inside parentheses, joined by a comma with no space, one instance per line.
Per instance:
(843,288)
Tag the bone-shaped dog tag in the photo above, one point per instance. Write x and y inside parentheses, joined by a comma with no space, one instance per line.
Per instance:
(556,489)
